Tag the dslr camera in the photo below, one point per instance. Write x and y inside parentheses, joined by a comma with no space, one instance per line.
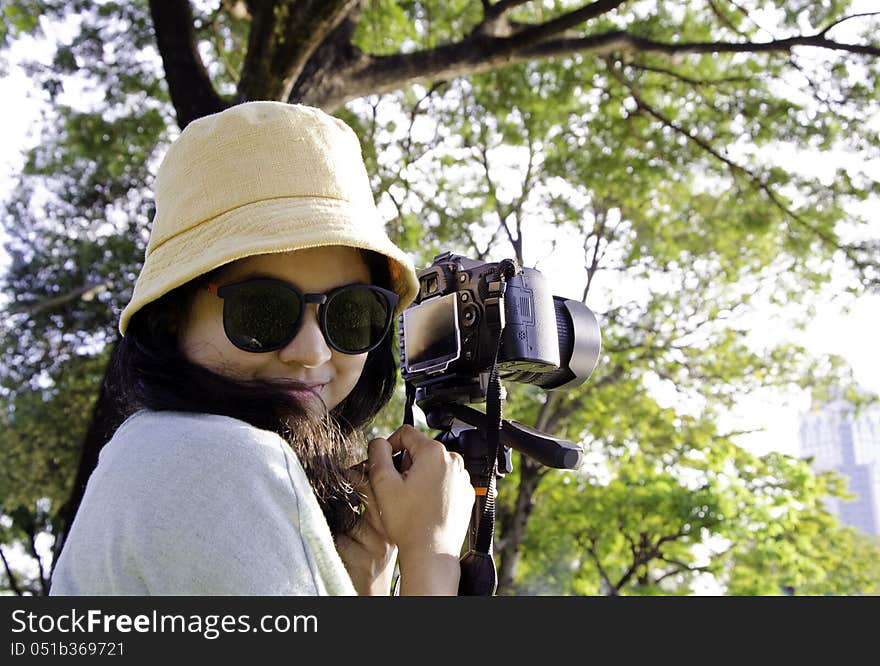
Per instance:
(449,336)
(471,325)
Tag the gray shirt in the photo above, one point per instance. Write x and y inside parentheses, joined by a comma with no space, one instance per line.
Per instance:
(195,504)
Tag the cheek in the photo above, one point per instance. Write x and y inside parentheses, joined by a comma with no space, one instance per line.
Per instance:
(348,372)
(204,342)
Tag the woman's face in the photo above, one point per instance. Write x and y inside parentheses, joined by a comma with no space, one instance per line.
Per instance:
(307,358)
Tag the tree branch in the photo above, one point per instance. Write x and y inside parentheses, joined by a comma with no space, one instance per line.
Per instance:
(322,80)
(625,578)
(538,33)
(480,53)
(601,218)
(192,92)
(721,16)
(735,169)
(667,538)
(678,568)
(836,23)
(591,551)
(531,474)
(519,201)
(687,79)
(545,415)
(626,43)
(13,584)
(284,35)
(217,37)
(414,113)
(32,543)
(500,8)
(749,17)
(85,292)
(516,242)
(495,22)
(481,254)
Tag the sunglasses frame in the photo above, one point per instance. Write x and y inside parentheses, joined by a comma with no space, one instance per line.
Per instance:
(390,298)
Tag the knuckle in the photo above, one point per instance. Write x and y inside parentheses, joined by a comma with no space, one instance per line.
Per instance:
(406,431)
(437,448)
(376,443)
(427,445)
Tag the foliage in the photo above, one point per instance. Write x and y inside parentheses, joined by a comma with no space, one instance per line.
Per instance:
(40,441)
(659,172)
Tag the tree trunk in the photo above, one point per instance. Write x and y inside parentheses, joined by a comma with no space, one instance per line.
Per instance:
(515,530)
(321,82)
(191,89)
(105,419)
(10,574)
(531,474)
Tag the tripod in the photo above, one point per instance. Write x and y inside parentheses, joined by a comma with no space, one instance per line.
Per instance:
(464,430)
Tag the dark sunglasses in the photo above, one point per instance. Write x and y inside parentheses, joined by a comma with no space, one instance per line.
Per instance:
(264,314)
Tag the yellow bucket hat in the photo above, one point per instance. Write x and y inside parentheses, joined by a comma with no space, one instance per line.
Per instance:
(258,178)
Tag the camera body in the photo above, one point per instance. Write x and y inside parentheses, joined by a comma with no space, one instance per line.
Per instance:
(449,336)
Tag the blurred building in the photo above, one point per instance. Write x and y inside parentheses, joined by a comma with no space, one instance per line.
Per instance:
(838,439)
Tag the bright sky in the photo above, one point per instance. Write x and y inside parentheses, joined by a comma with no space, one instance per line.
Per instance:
(851,335)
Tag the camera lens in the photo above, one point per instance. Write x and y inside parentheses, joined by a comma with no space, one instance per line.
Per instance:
(580,342)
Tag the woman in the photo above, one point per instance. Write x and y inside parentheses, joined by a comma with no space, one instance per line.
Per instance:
(256,346)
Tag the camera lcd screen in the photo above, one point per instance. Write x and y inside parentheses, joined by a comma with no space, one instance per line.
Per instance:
(430,334)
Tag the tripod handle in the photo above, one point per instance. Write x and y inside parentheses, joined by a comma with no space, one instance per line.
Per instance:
(541,447)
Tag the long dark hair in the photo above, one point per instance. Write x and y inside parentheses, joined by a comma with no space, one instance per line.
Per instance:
(148,370)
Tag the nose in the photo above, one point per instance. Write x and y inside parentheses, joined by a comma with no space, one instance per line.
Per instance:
(308,348)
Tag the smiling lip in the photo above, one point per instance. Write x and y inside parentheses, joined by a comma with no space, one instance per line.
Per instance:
(312,388)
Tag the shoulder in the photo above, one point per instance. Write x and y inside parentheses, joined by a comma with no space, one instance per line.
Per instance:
(171,445)
(192,504)
(190,471)
(186,430)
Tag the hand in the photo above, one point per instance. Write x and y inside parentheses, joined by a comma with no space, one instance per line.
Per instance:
(367,552)
(425,510)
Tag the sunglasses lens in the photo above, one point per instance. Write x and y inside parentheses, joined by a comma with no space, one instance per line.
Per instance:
(260,316)
(357,318)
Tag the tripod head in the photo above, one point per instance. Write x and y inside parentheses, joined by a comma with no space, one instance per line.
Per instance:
(537,445)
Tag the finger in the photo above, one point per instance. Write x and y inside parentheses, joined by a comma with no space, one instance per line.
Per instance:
(379,455)
(406,463)
(374,519)
(416,443)
(371,517)
(457,460)
(395,440)
(382,473)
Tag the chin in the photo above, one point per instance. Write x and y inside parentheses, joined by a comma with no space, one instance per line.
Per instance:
(311,398)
